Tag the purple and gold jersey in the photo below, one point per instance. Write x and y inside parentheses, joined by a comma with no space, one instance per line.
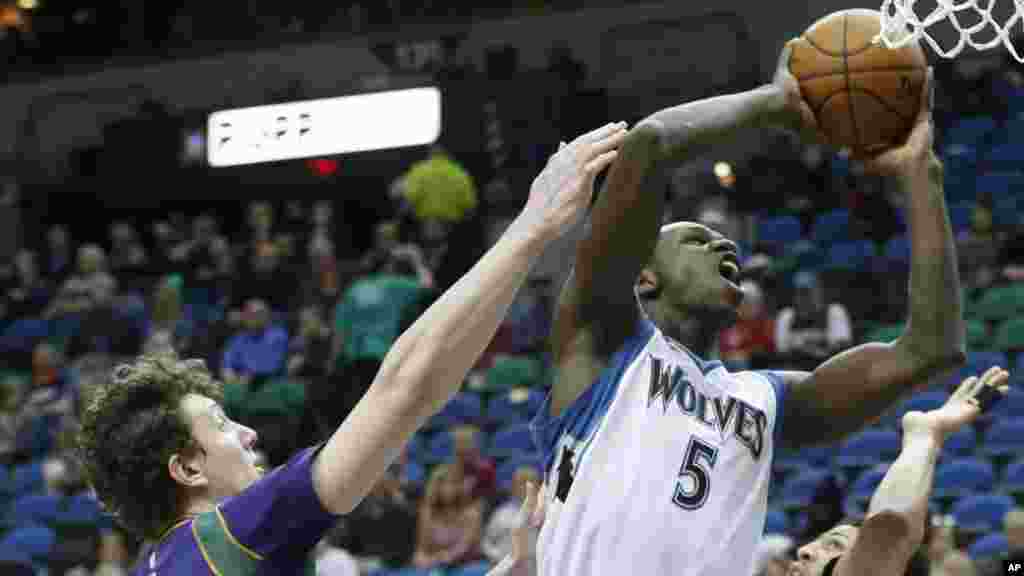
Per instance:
(269,528)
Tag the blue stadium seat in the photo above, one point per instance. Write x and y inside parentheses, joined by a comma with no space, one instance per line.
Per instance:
(924,401)
(440,448)
(981,361)
(988,546)
(805,254)
(798,491)
(1009,154)
(1003,438)
(476,569)
(1013,477)
(850,255)
(507,470)
(982,512)
(776,522)
(1007,210)
(512,441)
(33,509)
(34,540)
(970,131)
(779,231)
(464,408)
(79,510)
(961,443)
(863,488)
(868,448)
(831,227)
(1000,184)
(27,478)
(963,476)
(897,249)
(960,215)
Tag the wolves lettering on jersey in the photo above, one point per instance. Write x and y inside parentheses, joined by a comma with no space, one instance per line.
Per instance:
(663,453)
(724,414)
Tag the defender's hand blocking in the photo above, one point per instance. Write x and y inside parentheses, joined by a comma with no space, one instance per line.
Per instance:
(912,159)
(561,193)
(965,404)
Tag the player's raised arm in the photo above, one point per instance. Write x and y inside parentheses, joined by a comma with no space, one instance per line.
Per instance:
(894,525)
(857,386)
(428,363)
(598,301)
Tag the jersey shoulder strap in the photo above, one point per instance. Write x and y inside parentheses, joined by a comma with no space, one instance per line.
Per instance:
(226,556)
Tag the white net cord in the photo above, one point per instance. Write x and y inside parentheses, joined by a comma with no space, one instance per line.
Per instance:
(901,25)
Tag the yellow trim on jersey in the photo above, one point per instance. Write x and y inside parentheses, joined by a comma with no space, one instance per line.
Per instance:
(171,528)
(223,523)
(202,550)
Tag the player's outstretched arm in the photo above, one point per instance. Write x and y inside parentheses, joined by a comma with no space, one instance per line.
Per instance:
(894,526)
(428,363)
(598,301)
(857,386)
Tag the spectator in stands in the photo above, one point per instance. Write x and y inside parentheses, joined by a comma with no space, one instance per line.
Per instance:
(381,531)
(811,330)
(978,250)
(258,352)
(201,270)
(104,331)
(479,473)
(309,352)
(321,281)
(26,295)
(263,279)
(1013,527)
(10,396)
(748,342)
(1011,257)
(128,259)
(164,243)
(773,554)
(47,406)
(369,316)
(498,537)
(77,293)
(167,323)
(449,522)
(58,256)
(385,239)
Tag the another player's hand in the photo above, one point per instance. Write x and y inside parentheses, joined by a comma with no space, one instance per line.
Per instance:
(561,193)
(797,114)
(531,516)
(963,406)
(914,157)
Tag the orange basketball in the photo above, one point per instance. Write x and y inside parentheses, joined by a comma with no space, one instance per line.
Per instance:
(864,95)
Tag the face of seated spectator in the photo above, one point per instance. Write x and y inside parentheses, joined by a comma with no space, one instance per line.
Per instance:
(1013,526)
(25,267)
(311,324)
(523,476)
(91,259)
(445,488)
(284,245)
(45,366)
(265,258)
(256,316)
(261,217)
(465,442)
(322,211)
(752,306)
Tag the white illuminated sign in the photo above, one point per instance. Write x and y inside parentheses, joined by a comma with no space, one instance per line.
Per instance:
(324,127)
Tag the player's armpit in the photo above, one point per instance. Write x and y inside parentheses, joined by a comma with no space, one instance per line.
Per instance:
(885,543)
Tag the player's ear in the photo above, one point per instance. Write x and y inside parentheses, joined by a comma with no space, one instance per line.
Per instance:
(187,469)
(647,284)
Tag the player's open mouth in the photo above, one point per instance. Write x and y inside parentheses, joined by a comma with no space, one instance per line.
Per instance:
(729,267)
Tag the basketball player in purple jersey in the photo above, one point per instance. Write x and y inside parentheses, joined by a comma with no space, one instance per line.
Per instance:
(165,459)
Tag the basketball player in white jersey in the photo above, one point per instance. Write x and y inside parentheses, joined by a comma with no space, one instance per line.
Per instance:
(658,462)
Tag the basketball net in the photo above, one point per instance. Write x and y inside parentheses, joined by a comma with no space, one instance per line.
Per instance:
(901,25)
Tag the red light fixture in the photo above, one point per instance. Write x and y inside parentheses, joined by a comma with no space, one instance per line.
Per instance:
(323,167)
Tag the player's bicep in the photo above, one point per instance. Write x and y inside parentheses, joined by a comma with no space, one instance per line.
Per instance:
(622,228)
(885,543)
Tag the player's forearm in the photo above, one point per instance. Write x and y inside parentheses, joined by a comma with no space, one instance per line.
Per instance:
(907,486)
(695,125)
(935,336)
(433,356)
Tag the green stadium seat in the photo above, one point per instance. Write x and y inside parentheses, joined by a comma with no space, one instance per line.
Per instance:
(998,303)
(1010,335)
(513,372)
(887,333)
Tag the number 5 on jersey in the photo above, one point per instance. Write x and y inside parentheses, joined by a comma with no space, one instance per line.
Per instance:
(694,480)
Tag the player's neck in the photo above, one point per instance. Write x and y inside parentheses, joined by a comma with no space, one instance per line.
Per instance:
(198,506)
(690,329)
